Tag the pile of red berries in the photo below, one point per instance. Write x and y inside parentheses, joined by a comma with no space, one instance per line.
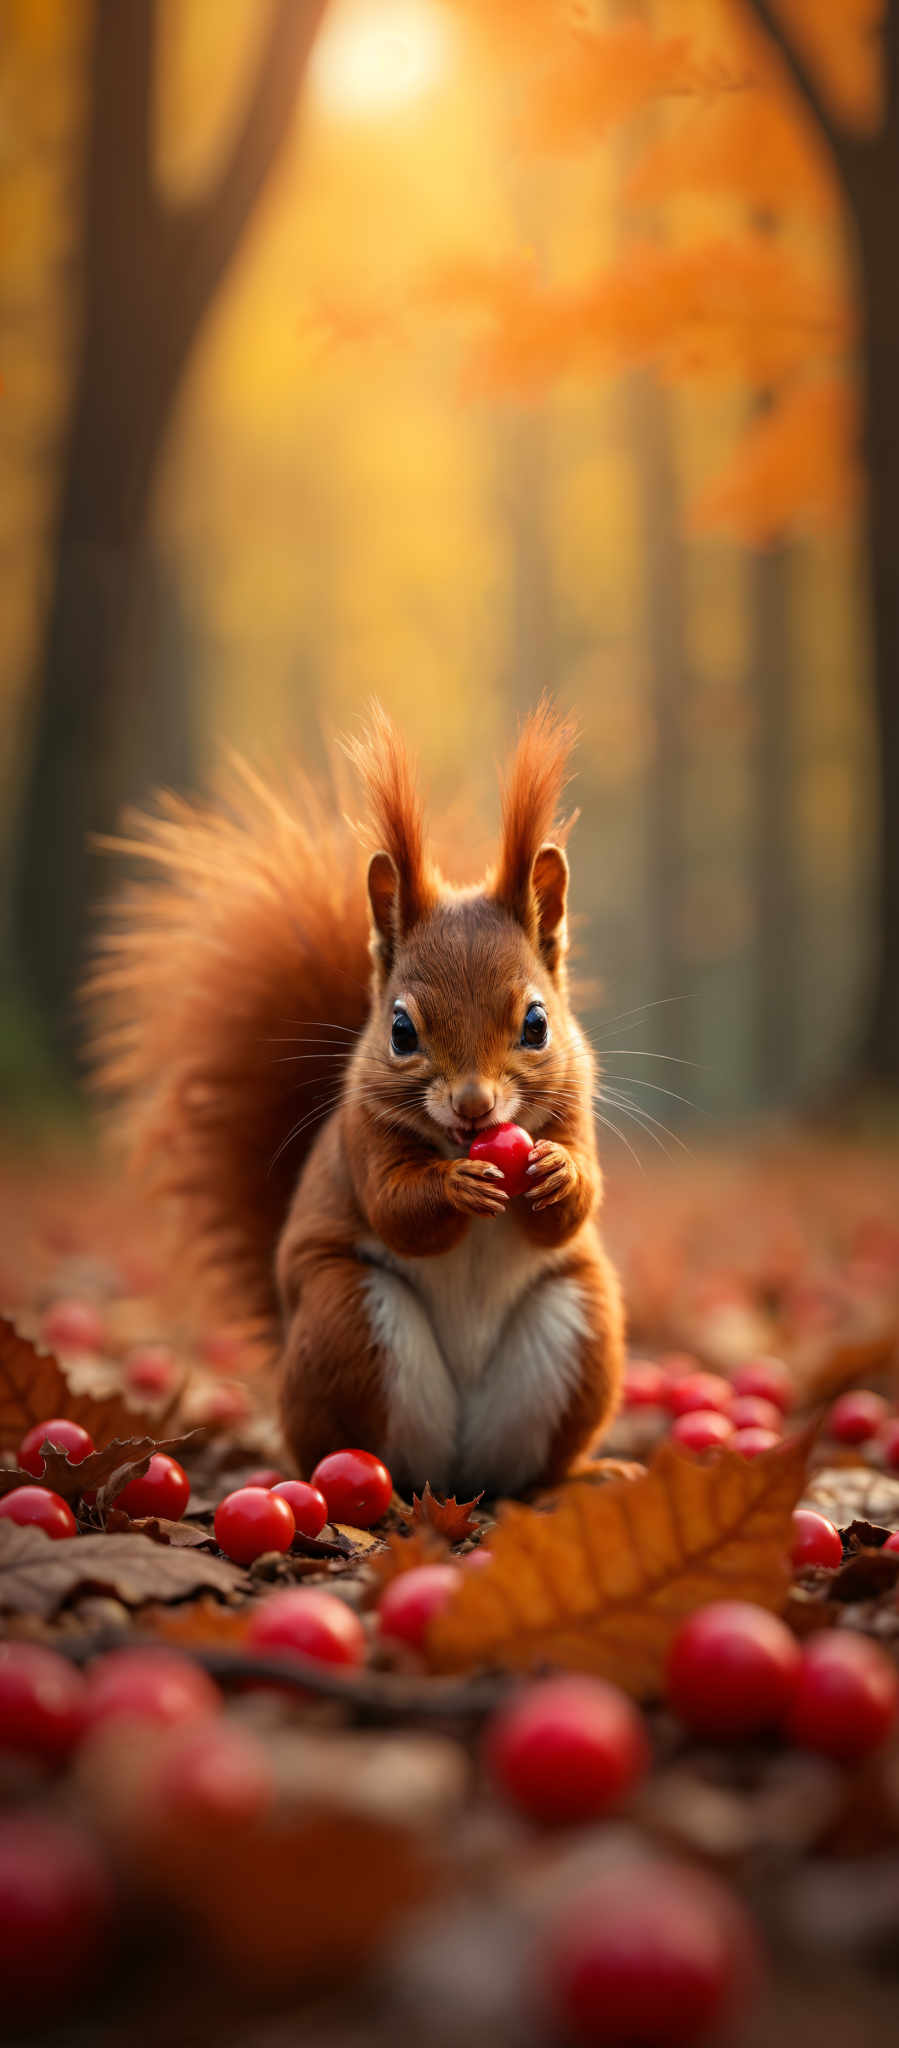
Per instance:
(746,1412)
(349,1486)
(164,1489)
(863,1417)
(736,1670)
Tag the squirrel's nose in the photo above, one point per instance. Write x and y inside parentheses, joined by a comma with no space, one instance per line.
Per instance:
(472,1099)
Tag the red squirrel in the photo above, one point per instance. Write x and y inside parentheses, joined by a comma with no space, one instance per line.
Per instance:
(305,1075)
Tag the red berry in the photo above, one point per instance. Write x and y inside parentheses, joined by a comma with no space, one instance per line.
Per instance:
(64,1435)
(216,1771)
(36,1505)
(751,1442)
(41,1702)
(892,1542)
(267,1475)
(411,1600)
(148,1685)
(815,1541)
(750,1411)
(645,1385)
(252,1521)
(308,1623)
(310,1508)
(221,1406)
(651,1955)
(164,1489)
(702,1429)
(888,1440)
(508,1147)
(151,1369)
(732,1669)
(699,1390)
(567,1749)
(356,1486)
(847,1697)
(73,1326)
(55,1907)
(768,1377)
(857,1416)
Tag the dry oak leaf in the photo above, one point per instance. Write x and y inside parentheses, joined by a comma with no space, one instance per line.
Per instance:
(38,1576)
(601,1583)
(34,1386)
(104,1472)
(451,1518)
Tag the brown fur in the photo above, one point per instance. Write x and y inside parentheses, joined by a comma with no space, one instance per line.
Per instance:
(236,1002)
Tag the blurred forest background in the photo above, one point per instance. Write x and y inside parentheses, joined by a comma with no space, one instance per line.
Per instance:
(452,350)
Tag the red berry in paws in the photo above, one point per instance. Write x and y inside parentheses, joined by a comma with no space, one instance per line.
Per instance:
(649,1955)
(857,1416)
(567,1749)
(55,1908)
(37,1506)
(815,1541)
(732,1670)
(308,1623)
(409,1603)
(42,1700)
(310,1508)
(252,1521)
(164,1489)
(699,1390)
(508,1147)
(769,1378)
(702,1429)
(356,1486)
(847,1697)
(148,1685)
(64,1435)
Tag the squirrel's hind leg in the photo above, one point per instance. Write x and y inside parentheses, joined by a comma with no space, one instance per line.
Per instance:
(362,1369)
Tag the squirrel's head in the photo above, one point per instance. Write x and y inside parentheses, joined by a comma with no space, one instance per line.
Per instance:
(469,1023)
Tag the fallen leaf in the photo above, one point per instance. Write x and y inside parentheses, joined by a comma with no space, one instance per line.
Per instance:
(102,1472)
(38,1576)
(184,1535)
(203,1624)
(33,1386)
(424,1545)
(452,1518)
(601,1583)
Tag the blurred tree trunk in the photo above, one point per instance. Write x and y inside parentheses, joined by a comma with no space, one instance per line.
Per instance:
(150,273)
(868,169)
(774,796)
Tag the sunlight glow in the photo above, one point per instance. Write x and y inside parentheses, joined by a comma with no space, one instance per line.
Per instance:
(375,56)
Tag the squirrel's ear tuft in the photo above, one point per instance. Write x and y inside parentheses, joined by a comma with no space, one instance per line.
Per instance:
(549,881)
(531,878)
(401,883)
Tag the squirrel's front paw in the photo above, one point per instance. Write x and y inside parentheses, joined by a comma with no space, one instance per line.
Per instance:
(475,1187)
(552,1174)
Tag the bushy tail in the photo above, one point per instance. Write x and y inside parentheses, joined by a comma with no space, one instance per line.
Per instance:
(224,1002)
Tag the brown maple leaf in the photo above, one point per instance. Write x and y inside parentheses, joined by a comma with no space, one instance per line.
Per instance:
(601,1583)
(451,1518)
(38,1576)
(103,1472)
(33,1386)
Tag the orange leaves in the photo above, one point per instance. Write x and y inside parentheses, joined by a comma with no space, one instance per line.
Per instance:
(749,147)
(606,77)
(729,307)
(797,465)
(601,1583)
(33,1386)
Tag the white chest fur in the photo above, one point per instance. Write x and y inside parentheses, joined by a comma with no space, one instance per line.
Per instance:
(481,1349)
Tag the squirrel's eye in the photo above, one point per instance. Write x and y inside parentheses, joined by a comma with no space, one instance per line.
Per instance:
(403,1037)
(535,1029)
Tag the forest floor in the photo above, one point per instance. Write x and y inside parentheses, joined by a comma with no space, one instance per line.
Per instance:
(373,1886)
